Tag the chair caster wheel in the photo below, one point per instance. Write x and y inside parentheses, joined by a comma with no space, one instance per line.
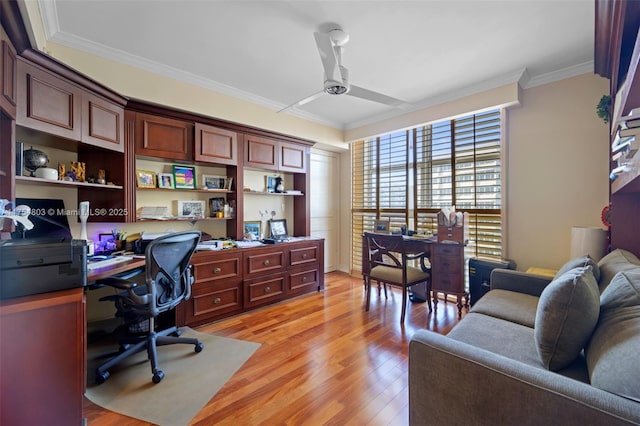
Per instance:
(102,377)
(158,376)
(199,347)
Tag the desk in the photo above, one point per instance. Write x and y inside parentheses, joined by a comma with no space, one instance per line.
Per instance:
(447,267)
(111,270)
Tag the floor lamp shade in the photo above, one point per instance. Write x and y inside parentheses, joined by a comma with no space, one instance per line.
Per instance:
(591,241)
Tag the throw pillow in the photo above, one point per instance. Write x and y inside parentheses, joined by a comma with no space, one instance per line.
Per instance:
(566,316)
(580,262)
(612,353)
(614,262)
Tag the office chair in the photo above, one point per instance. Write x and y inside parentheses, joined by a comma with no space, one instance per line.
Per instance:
(389,258)
(168,282)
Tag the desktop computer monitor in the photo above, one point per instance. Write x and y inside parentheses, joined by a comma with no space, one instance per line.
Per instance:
(49,218)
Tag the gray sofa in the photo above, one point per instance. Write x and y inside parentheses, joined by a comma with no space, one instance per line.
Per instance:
(537,351)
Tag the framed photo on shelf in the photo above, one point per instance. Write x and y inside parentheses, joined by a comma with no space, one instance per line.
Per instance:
(213,182)
(271,184)
(191,209)
(184,177)
(278,229)
(145,179)
(165,180)
(227,183)
(381,226)
(253,230)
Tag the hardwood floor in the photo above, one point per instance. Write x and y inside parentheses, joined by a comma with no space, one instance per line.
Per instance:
(323,360)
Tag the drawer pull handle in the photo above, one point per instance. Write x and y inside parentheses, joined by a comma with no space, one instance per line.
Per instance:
(217,301)
(304,256)
(217,271)
(304,278)
(267,289)
(265,263)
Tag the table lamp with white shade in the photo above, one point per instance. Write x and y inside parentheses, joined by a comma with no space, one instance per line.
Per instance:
(588,240)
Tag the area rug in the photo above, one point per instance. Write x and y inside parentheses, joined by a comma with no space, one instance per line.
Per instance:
(191,379)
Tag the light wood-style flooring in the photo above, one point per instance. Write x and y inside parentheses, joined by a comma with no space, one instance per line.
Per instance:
(323,360)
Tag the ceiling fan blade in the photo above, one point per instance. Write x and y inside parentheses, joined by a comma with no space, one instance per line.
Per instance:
(304,101)
(328,56)
(370,95)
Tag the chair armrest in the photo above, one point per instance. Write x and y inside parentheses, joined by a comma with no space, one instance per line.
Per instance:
(118,283)
(446,375)
(521,282)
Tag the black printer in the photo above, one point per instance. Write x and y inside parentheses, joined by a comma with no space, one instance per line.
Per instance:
(42,265)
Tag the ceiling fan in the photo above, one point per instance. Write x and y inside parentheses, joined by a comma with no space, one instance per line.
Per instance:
(336,77)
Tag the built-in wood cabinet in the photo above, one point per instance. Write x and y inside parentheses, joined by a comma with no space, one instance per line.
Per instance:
(231,281)
(47,103)
(102,123)
(617,57)
(215,145)
(43,368)
(260,152)
(8,75)
(292,158)
(163,137)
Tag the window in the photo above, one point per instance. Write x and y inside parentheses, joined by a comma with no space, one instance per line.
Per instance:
(408,176)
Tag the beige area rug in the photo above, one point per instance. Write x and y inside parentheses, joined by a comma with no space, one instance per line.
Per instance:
(191,379)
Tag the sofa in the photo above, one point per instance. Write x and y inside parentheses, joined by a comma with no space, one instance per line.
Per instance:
(537,351)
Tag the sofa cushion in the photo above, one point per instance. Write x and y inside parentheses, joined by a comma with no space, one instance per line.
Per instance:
(566,316)
(508,305)
(579,262)
(614,262)
(612,353)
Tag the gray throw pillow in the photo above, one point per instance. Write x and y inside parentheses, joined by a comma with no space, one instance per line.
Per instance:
(580,262)
(566,316)
(612,353)
(617,261)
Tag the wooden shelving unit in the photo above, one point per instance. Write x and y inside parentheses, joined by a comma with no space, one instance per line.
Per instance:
(40,181)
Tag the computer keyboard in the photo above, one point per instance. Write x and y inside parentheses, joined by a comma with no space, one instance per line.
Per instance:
(107,262)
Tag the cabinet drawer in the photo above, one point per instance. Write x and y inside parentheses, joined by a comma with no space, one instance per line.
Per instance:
(449,282)
(211,300)
(448,250)
(447,264)
(262,263)
(303,255)
(305,281)
(219,269)
(261,291)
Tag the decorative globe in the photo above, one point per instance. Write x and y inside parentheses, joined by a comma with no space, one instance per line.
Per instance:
(34,159)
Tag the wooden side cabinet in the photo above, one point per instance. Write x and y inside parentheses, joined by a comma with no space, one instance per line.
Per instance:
(163,137)
(447,273)
(215,145)
(43,359)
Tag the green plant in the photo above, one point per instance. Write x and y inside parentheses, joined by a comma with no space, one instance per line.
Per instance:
(604,108)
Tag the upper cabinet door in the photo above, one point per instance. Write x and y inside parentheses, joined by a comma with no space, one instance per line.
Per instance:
(48,103)
(293,158)
(163,137)
(215,145)
(102,123)
(8,84)
(261,153)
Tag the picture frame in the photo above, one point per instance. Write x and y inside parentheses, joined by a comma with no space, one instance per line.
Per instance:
(271,184)
(184,177)
(228,183)
(165,181)
(278,229)
(381,226)
(216,205)
(213,182)
(193,209)
(145,179)
(253,230)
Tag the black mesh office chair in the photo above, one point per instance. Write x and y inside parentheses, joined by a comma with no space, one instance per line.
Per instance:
(168,282)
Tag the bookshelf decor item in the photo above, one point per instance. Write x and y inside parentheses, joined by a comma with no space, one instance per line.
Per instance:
(184,177)
(253,230)
(165,180)
(213,182)
(192,209)
(145,179)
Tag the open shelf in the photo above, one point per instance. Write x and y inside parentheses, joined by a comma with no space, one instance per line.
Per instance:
(185,219)
(207,191)
(272,193)
(41,181)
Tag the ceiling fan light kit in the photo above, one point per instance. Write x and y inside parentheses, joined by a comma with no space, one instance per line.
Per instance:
(336,76)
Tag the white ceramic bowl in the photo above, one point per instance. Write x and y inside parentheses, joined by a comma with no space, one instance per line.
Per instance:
(47,173)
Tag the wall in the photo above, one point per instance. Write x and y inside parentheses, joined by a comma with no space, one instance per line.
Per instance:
(557,168)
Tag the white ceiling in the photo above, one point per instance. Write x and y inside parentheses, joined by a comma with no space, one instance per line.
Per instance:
(264,51)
